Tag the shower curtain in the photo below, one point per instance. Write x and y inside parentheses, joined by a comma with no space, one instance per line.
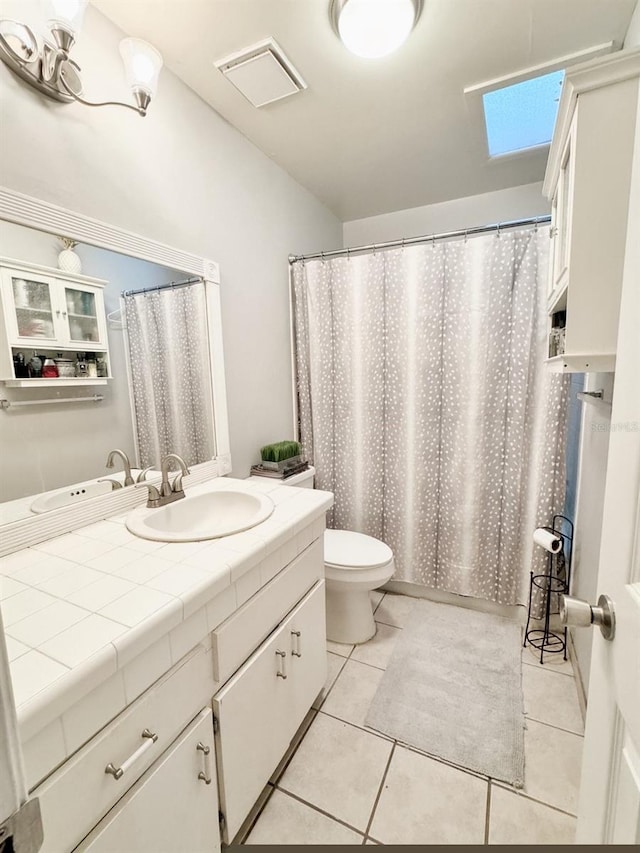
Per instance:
(168,342)
(426,408)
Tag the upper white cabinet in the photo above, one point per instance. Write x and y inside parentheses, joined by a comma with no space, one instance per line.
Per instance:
(587,180)
(53,314)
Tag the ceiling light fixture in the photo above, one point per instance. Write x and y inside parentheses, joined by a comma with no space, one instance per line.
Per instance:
(374,28)
(50,70)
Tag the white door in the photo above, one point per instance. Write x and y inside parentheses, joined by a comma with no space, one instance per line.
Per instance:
(13,786)
(609,810)
(172,808)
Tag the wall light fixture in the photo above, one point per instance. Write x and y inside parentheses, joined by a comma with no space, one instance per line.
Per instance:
(49,69)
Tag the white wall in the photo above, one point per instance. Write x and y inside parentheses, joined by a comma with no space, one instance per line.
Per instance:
(57,446)
(185,177)
(632,38)
(500,206)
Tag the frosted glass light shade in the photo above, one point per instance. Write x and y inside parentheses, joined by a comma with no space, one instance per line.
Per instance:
(374,28)
(67,14)
(142,64)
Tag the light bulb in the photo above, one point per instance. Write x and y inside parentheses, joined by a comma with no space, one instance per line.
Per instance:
(67,14)
(142,64)
(374,28)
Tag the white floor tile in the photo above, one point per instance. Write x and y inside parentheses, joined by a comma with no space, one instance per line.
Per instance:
(395,610)
(15,648)
(142,568)
(426,802)
(514,819)
(334,665)
(177,579)
(552,663)
(46,568)
(68,582)
(552,766)
(338,768)
(82,640)
(376,597)
(341,649)
(378,650)
(550,697)
(113,560)
(288,821)
(353,692)
(45,624)
(19,560)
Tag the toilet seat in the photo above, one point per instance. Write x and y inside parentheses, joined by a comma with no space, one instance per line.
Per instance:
(349,551)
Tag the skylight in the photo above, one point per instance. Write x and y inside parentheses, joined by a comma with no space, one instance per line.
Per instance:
(523,115)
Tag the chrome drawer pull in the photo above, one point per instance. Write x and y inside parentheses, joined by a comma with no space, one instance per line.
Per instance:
(296,652)
(118,772)
(282,664)
(205,775)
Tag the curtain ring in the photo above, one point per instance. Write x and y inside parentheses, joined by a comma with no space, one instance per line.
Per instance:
(322,256)
(348,254)
(535,226)
(374,248)
(466,234)
(498,230)
(403,239)
(433,241)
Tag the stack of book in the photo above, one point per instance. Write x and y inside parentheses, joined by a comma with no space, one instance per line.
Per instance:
(288,471)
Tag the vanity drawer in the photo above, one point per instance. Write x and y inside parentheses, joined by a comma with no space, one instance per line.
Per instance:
(242,633)
(79,794)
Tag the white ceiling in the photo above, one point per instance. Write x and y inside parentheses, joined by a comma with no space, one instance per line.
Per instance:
(373,136)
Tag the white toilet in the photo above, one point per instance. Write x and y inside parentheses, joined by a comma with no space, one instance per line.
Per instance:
(354,564)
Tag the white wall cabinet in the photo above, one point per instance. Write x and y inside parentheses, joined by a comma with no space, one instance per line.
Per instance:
(262,706)
(588,178)
(173,807)
(49,311)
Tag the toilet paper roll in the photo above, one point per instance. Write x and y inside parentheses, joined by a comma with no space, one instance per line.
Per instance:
(547,539)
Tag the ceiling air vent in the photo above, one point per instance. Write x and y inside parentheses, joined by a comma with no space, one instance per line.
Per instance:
(262,72)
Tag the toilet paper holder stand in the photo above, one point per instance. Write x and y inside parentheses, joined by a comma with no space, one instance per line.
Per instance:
(556,581)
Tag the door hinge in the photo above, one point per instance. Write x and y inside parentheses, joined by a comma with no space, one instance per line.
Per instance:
(216,725)
(222,821)
(23,830)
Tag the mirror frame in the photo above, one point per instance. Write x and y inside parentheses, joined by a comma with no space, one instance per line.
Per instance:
(34,213)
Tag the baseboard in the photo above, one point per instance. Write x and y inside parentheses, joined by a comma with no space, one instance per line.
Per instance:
(516,612)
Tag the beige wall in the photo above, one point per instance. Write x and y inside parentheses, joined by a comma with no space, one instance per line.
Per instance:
(633,33)
(500,206)
(185,177)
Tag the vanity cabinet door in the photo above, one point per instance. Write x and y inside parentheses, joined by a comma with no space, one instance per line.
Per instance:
(259,710)
(171,808)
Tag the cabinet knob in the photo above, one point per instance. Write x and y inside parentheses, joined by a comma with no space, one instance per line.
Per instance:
(282,664)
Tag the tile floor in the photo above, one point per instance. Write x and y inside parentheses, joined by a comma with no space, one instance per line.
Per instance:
(345,784)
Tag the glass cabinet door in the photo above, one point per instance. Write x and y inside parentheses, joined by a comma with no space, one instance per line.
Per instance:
(82,315)
(32,303)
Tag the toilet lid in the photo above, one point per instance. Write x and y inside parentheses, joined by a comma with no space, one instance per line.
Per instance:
(354,550)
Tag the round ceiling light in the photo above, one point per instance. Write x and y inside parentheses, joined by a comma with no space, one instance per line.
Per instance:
(374,28)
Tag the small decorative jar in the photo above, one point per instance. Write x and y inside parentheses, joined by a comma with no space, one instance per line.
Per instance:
(67,259)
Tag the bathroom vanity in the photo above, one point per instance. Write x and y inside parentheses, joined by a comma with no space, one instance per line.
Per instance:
(153,722)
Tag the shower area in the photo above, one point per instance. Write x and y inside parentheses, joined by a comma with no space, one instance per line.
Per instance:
(424,403)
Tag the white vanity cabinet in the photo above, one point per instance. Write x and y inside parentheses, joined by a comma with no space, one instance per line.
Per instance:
(49,311)
(173,807)
(587,180)
(260,709)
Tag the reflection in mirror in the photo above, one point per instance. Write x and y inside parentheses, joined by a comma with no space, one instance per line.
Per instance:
(130,372)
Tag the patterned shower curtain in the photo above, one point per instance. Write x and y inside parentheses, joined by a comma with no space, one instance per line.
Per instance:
(426,408)
(168,341)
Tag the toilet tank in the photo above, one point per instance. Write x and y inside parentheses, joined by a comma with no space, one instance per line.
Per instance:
(303,480)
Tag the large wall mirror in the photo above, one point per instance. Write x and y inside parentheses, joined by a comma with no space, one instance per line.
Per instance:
(115,343)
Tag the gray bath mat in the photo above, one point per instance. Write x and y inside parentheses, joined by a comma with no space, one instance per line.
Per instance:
(453,688)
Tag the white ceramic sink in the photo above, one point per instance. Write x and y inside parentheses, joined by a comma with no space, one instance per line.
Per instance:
(205,516)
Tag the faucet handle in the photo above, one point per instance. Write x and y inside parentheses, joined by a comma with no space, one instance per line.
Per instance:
(177,483)
(153,498)
(143,474)
(115,484)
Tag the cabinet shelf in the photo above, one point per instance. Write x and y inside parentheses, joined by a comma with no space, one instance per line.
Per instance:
(55,382)
(582,363)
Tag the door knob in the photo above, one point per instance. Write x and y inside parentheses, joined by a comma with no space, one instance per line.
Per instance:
(581,614)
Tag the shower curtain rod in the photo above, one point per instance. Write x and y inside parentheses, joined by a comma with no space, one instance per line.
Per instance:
(172,284)
(431,238)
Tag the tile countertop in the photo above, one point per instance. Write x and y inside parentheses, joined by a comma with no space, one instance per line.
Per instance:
(81,606)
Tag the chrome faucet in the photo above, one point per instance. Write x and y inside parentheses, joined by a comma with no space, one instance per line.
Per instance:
(168,491)
(128,479)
